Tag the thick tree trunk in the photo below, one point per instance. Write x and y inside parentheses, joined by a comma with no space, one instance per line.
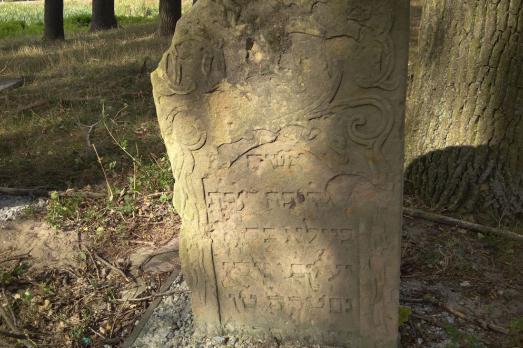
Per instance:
(464,128)
(54,20)
(170,12)
(103,16)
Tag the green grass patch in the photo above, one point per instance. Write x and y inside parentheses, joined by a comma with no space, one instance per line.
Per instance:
(76,23)
(19,19)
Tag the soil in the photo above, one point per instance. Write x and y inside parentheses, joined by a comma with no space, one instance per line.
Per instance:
(461,288)
(46,246)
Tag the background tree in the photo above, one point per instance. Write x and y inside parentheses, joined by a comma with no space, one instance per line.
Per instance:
(54,20)
(170,11)
(103,16)
(465,109)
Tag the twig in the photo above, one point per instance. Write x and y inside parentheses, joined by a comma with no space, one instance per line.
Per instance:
(81,99)
(113,137)
(7,315)
(482,323)
(110,265)
(461,223)
(427,319)
(17,257)
(90,129)
(4,68)
(94,263)
(158,194)
(31,106)
(88,194)
(412,300)
(12,335)
(98,334)
(158,294)
(465,317)
(109,189)
(138,328)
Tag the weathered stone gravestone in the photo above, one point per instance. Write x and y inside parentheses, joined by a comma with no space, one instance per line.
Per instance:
(283,120)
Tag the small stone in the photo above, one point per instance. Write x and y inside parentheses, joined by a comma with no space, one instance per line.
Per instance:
(465,284)
(220,340)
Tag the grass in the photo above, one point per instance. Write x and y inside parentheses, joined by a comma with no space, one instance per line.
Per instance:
(69,84)
(26,18)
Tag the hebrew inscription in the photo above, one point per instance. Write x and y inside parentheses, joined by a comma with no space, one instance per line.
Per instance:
(283,121)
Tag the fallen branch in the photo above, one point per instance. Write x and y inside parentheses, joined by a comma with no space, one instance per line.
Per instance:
(12,335)
(138,328)
(477,321)
(461,223)
(31,106)
(158,294)
(458,313)
(111,266)
(17,258)
(427,319)
(38,192)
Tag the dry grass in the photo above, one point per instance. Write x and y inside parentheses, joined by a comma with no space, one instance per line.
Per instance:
(44,142)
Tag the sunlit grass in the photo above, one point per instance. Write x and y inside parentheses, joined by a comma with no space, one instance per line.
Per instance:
(73,81)
(26,17)
(33,11)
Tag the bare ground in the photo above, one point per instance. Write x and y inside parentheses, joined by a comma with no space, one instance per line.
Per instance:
(73,290)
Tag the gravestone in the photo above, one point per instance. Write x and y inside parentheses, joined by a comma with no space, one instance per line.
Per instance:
(283,121)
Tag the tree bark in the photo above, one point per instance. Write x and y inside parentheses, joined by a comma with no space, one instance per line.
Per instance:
(103,16)
(54,20)
(464,126)
(170,11)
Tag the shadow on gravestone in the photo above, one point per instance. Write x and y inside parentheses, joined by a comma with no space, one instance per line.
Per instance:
(283,121)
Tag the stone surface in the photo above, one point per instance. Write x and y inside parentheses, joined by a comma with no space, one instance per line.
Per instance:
(8,84)
(283,121)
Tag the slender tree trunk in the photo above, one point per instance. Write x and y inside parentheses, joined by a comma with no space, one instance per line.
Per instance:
(170,12)
(464,128)
(54,20)
(103,16)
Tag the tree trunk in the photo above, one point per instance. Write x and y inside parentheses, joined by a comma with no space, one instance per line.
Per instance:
(54,20)
(103,16)
(170,12)
(464,127)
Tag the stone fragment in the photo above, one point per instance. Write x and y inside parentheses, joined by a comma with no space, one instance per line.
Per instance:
(10,84)
(283,121)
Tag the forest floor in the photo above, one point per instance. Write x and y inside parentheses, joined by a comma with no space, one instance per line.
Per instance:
(79,270)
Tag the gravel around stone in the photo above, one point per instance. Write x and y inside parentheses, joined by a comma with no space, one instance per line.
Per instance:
(171,322)
(171,326)
(12,207)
